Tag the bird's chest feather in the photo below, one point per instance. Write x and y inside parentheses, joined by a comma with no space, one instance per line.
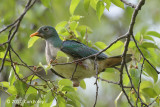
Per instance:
(51,52)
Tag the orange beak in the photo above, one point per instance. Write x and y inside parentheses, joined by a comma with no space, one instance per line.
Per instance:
(34,34)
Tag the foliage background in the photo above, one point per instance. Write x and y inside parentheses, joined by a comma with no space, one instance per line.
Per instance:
(111,25)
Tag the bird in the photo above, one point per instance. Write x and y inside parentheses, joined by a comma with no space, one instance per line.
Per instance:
(75,50)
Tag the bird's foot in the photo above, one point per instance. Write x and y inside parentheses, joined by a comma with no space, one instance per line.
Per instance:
(75,83)
(53,61)
(82,64)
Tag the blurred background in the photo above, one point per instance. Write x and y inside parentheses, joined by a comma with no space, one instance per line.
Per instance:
(113,23)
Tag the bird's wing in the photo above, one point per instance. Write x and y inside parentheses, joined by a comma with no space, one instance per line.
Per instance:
(79,50)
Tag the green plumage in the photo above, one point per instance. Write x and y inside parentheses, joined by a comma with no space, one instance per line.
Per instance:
(79,50)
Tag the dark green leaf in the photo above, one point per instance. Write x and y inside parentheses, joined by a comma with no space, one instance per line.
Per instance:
(149,92)
(20,87)
(150,71)
(100,8)
(49,97)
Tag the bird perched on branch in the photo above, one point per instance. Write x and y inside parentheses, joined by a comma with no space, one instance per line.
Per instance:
(77,70)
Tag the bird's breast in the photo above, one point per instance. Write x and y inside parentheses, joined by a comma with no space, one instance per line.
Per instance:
(51,52)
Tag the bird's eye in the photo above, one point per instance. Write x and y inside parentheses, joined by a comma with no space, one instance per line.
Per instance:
(46,29)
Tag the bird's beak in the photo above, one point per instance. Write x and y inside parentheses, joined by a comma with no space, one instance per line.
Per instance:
(35,34)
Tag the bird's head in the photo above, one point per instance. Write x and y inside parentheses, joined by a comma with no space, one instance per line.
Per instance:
(45,32)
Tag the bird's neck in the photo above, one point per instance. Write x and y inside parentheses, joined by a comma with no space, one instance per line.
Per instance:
(55,41)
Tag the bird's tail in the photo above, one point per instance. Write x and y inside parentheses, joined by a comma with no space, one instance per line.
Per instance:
(116,60)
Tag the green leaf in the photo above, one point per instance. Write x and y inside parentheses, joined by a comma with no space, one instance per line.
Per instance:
(83,28)
(4,84)
(73,25)
(68,89)
(61,25)
(146,84)
(74,98)
(45,67)
(31,90)
(138,36)
(100,45)
(32,40)
(75,18)
(93,4)
(12,76)
(31,99)
(73,5)
(118,3)
(9,101)
(149,45)
(61,102)
(12,90)
(135,74)
(108,4)
(150,71)
(115,46)
(49,97)
(153,33)
(3,48)
(149,92)
(86,4)
(61,54)
(20,87)
(100,8)
(148,38)
(65,82)
(46,3)
(83,84)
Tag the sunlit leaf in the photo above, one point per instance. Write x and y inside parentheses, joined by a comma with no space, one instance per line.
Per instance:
(83,29)
(73,5)
(83,84)
(32,40)
(101,45)
(31,90)
(65,82)
(75,18)
(108,4)
(86,4)
(61,25)
(146,84)
(153,33)
(115,46)
(100,8)
(45,67)
(46,3)
(138,36)
(12,90)
(32,98)
(73,25)
(4,84)
(118,3)
(68,88)
(93,4)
